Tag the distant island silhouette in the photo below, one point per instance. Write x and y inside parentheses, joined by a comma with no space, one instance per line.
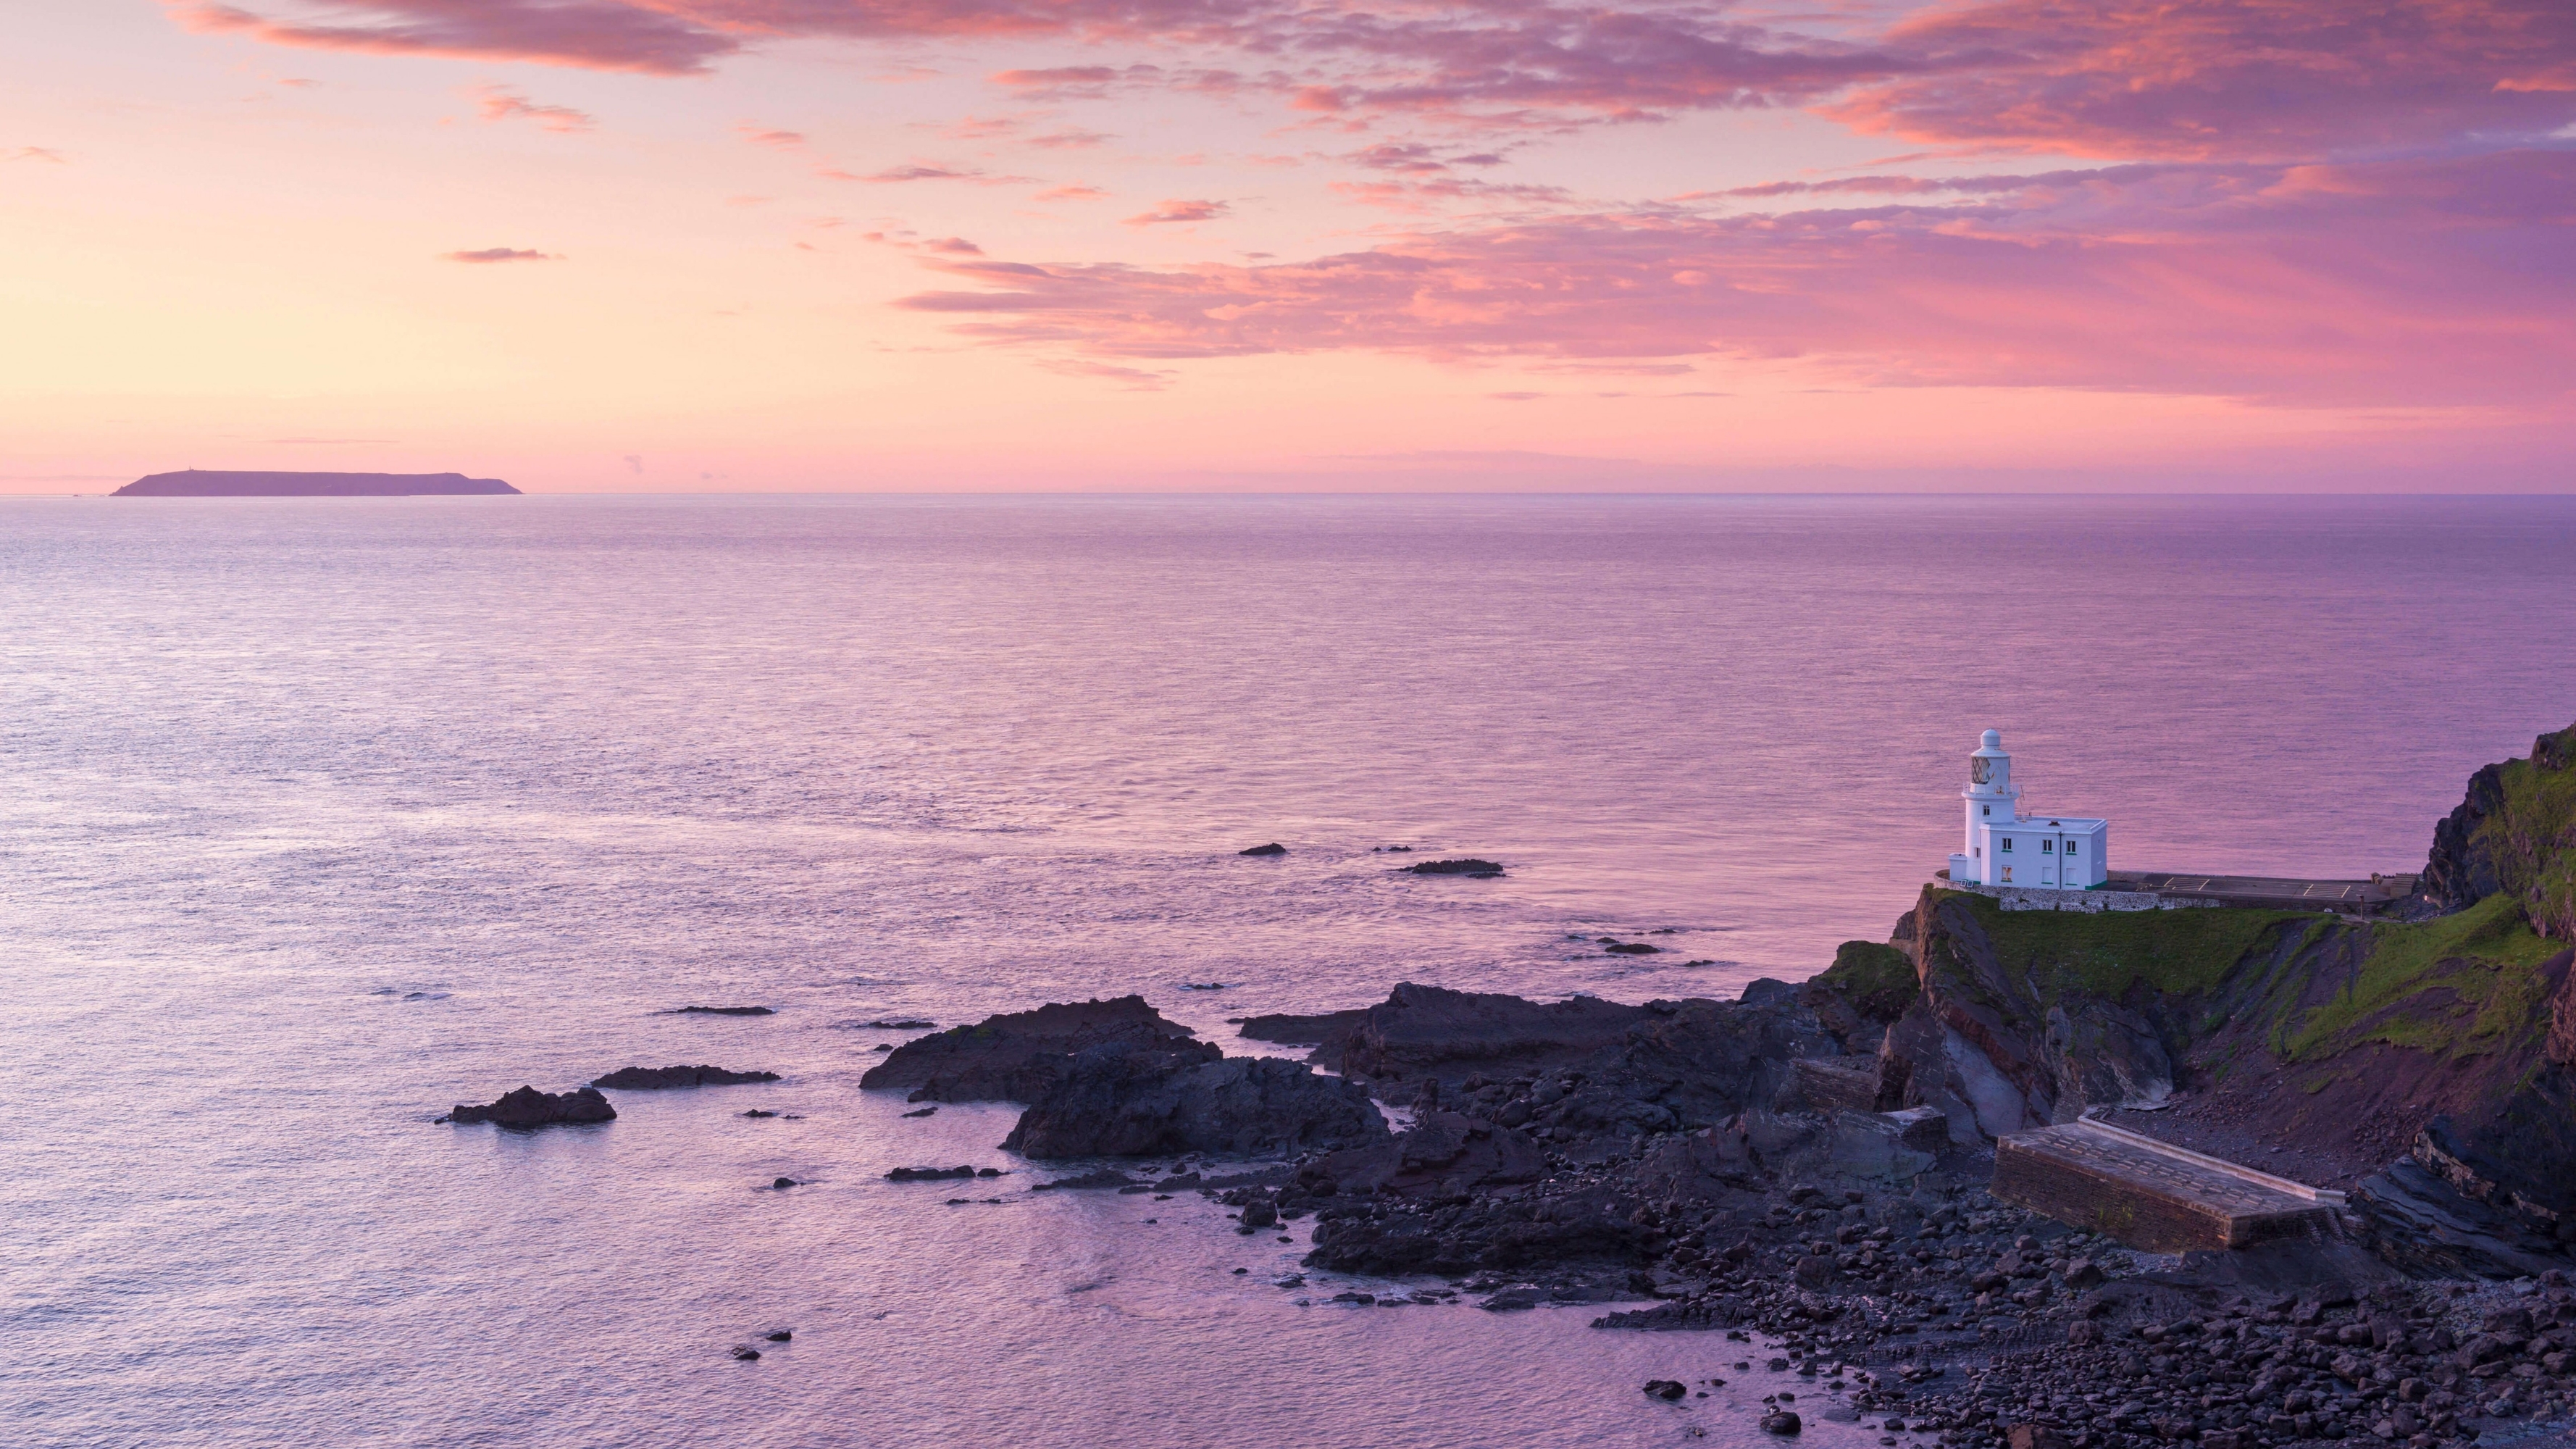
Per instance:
(201,483)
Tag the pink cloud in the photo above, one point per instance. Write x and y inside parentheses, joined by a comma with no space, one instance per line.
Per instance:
(501,103)
(1137,379)
(37,153)
(2443,282)
(598,34)
(2180,79)
(768,136)
(1071,138)
(1072,193)
(489,255)
(2225,78)
(1180,211)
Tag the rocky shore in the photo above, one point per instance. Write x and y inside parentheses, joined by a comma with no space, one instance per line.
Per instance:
(1811,1162)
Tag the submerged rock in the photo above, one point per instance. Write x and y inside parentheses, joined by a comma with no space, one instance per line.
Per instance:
(528,1107)
(1019,1056)
(1273,848)
(1472,868)
(724,1011)
(650,1079)
(928,1174)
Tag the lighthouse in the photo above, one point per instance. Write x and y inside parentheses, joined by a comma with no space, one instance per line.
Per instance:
(2005,847)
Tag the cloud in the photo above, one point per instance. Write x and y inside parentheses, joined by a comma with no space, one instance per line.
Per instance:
(2209,79)
(38,153)
(2442,282)
(2116,79)
(1180,211)
(1136,379)
(1071,138)
(597,34)
(1072,193)
(499,254)
(767,136)
(501,103)
(1516,396)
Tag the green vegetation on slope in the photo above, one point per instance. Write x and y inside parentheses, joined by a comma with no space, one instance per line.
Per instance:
(2456,985)
(1877,980)
(2179,953)
(2531,836)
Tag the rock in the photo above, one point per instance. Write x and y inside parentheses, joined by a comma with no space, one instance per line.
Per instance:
(1273,848)
(1021,1056)
(1781,1422)
(1261,1214)
(1665,1389)
(928,1174)
(905,1025)
(2035,1436)
(759,1112)
(1445,1154)
(2083,1273)
(1106,1177)
(1763,989)
(924,1112)
(783,1183)
(527,1108)
(652,1079)
(1471,868)
(1300,1030)
(1513,1299)
(745,1352)
(1122,1101)
(1631,948)
(782,1336)
(725,1011)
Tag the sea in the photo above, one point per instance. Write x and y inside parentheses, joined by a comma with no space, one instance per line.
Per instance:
(319,816)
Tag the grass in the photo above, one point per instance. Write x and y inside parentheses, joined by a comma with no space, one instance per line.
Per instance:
(2178,953)
(1875,979)
(2525,834)
(2487,955)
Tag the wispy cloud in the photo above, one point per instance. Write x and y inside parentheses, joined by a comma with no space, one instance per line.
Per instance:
(770,136)
(501,103)
(38,153)
(489,255)
(1171,212)
(1136,379)
(2431,282)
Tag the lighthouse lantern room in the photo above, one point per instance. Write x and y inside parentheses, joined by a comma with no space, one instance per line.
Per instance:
(2005,847)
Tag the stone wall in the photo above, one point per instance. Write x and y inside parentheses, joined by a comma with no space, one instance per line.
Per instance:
(2040,898)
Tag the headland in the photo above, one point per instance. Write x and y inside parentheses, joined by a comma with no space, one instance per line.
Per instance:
(203,483)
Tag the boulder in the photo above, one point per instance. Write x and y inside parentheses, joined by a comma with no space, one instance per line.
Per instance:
(1782,1422)
(1273,848)
(1121,1100)
(1023,1055)
(653,1079)
(528,1107)
(928,1174)
(725,1011)
(1471,868)
(1665,1389)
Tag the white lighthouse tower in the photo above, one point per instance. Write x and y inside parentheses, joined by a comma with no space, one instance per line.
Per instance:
(2005,847)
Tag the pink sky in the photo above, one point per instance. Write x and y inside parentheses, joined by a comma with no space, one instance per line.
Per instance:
(999,244)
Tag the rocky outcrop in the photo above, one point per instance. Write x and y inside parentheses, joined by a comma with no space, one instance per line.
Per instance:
(652,1079)
(1472,868)
(528,1108)
(1119,1100)
(2515,834)
(1020,1056)
(1581,1066)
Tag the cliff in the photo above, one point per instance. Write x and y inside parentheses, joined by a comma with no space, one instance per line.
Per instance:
(198,483)
(2391,1057)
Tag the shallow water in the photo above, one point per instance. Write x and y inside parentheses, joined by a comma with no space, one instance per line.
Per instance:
(319,816)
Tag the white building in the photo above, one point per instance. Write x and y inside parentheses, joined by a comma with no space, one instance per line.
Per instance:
(2006,847)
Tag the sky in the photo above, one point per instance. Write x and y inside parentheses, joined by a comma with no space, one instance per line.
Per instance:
(786,245)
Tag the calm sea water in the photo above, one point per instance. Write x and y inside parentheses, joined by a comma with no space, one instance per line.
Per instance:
(317,816)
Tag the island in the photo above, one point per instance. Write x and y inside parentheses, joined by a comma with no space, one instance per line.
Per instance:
(205,483)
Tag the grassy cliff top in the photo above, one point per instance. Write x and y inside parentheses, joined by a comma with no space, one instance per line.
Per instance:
(2459,985)
(2177,953)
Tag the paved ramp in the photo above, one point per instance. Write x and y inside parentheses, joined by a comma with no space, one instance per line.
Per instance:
(2152,1195)
(2256,890)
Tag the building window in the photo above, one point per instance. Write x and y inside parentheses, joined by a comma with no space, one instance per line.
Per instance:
(2007,845)
(1977,850)
(2007,875)
(1986,810)
(2047,847)
(2071,845)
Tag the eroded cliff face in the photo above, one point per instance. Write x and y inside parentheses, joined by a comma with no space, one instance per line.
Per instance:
(2514,834)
